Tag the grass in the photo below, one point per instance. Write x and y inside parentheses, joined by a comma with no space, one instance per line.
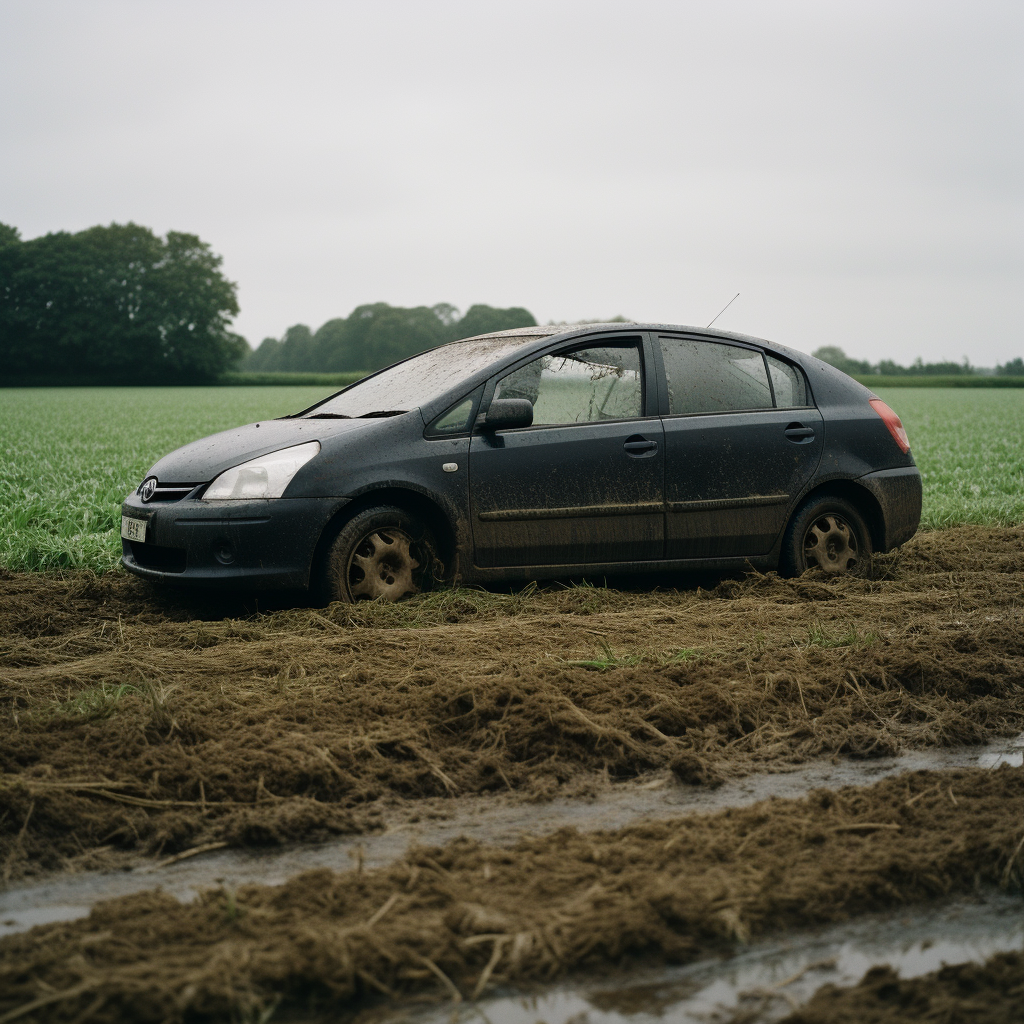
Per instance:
(969,444)
(609,659)
(821,635)
(952,380)
(68,456)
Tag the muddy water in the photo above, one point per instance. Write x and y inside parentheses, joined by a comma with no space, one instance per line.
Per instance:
(493,819)
(768,979)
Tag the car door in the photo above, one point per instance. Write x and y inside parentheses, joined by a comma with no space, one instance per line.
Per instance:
(583,484)
(741,440)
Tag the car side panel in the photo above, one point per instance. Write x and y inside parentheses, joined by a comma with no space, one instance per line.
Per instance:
(731,479)
(567,494)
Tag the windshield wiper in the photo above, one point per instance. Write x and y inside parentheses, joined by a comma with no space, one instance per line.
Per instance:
(327,416)
(382,412)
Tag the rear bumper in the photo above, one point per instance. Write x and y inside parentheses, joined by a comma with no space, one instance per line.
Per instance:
(263,544)
(898,492)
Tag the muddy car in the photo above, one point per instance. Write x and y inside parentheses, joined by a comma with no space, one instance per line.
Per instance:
(539,453)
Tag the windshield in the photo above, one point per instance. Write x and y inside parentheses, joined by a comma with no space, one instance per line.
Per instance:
(418,380)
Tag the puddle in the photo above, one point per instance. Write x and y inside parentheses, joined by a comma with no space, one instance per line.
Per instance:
(767,980)
(493,819)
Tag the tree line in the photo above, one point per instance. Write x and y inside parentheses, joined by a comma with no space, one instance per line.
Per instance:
(121,305)
(378,334)
(835,356)
(112,305)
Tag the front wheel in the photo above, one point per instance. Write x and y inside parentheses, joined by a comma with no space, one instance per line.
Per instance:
(827,534)
(381,553)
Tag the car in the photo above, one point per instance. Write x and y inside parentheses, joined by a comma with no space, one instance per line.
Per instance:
(538,453)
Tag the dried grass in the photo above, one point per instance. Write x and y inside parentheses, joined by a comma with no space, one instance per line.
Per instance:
(129,725)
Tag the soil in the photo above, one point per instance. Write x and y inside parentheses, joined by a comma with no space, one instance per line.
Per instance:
(992,992)
(451,921)
(138,723)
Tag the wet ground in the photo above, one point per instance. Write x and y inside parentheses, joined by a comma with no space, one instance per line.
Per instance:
(766,980)
(216,813)
(498,820)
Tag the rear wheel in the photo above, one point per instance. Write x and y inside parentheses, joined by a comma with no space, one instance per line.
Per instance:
(380,554)
(828,534)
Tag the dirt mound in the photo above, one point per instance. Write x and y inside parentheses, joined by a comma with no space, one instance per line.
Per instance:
(992,992)
(145,733)
(453,920)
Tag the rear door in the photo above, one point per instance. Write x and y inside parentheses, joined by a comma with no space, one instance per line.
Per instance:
(741,440)
(583,485)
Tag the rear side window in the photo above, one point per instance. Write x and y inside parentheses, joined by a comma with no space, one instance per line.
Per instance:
(583,386)
(789,384)
(704,376)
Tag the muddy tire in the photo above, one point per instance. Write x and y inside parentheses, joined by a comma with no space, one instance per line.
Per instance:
(827,534)
(380,554)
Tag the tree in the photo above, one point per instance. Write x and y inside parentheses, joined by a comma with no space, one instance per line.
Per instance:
(835,356)
(378,334)
(1012,368)
(117,304)
(485,319)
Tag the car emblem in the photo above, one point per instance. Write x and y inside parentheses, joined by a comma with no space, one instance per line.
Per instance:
(148,488)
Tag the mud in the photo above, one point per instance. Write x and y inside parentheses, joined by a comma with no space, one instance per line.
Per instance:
(766,980)
(137,724)
(496,819)
(992,992)
(452,920)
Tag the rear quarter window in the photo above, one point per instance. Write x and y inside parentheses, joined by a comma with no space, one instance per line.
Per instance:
(789,384)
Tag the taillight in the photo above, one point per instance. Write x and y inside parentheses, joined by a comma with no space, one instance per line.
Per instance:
(892,421)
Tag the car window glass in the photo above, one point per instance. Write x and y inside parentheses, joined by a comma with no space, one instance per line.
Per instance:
(704,376)
(456,419)
(789,384)
(581,386)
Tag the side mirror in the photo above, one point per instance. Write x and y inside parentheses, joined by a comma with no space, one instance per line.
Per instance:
(507,414)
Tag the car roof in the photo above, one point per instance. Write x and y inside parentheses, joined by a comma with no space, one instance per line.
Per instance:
(548,332)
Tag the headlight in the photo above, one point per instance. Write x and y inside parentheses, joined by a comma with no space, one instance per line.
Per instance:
(265,477)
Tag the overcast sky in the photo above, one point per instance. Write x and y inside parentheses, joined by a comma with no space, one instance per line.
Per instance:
(853,169)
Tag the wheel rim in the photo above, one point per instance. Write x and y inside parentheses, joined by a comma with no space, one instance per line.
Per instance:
(830,543)
(383,565)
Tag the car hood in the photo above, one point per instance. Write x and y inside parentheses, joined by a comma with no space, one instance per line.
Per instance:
(203,460)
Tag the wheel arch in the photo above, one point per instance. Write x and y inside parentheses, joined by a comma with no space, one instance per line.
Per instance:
(862,500)
(413,502)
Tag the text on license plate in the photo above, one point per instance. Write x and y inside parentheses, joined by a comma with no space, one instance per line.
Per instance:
(133,529)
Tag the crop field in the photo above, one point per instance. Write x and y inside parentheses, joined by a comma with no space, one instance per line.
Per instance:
(69,456)
(365,814)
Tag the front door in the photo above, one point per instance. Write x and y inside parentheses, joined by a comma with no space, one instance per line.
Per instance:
(583,485)
(741,441)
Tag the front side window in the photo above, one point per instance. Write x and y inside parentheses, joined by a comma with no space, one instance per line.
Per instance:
(583,386)
(704,376)
(457,419)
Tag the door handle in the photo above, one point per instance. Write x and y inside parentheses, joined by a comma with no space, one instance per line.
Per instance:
(638,447)
(798,433)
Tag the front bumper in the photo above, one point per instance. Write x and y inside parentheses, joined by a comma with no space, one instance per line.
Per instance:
(263,544)
(898,492)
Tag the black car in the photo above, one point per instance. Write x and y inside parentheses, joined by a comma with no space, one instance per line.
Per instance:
(537,453)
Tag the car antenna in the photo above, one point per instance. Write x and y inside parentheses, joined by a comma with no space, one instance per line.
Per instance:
(725,307)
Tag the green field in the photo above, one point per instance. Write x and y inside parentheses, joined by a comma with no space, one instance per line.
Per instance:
(969,443)
(68,456)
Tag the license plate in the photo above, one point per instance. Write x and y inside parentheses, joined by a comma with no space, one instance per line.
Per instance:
(133,529)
